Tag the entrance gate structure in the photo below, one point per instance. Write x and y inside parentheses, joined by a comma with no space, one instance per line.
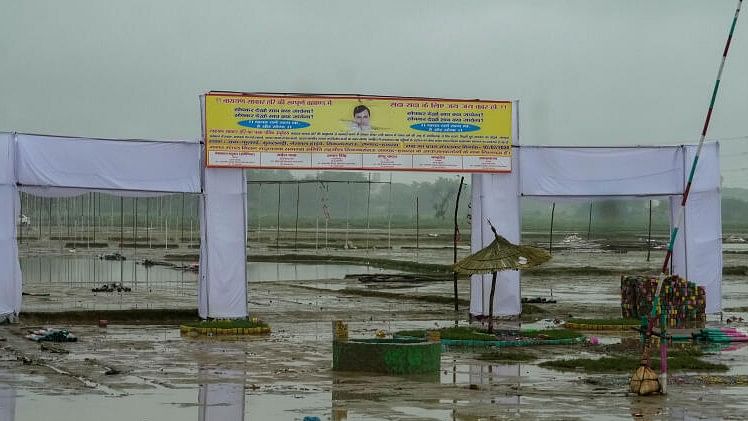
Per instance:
(65,166)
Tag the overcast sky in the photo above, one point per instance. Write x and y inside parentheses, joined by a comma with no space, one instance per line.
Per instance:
(586,72)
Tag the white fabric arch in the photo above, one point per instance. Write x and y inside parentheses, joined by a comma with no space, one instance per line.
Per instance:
(56,166)
(584,173)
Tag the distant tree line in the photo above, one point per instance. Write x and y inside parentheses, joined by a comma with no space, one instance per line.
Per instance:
(357,200)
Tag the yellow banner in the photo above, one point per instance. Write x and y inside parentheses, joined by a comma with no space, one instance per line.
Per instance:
(237,124)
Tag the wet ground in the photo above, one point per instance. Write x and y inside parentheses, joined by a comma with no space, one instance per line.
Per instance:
(287,375)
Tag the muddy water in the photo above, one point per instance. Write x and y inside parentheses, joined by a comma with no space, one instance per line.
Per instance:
(287,375)
(166,377)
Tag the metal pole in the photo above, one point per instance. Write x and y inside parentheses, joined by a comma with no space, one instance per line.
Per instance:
(417,224)
(389,216)
(67,216)
(121,236)
(347,214)
(148,221)
(135,240)
(589,223)
(296,226)
(181,221)
(278,220)
(94,215)
(368,206)
(649,231)
(550,240)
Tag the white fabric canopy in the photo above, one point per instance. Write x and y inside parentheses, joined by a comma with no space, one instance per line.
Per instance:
(108,164)
(574,173)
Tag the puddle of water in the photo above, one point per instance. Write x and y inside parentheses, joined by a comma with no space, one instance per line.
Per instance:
(208,402)
(423,413)
(82,271)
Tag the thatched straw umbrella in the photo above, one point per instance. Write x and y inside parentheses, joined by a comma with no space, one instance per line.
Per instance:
(497,256)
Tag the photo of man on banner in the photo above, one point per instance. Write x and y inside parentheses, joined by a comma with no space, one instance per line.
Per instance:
(361,119)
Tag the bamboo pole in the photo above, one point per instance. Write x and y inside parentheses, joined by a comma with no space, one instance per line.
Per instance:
(454,241)
(681,211)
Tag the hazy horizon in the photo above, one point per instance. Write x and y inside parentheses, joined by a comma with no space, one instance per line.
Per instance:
(585,72)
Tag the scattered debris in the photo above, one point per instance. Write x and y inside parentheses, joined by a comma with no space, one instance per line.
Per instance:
(538,300)
(112,287)
(51,335)
(399,277)
(112,256)
(55,349)
(192,267)
(111,371)
(149,262)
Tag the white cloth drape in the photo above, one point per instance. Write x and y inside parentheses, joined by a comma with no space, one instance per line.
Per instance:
(222,290)
(10,269)
(697,254)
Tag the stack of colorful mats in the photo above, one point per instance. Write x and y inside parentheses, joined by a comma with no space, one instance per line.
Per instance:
(685,302)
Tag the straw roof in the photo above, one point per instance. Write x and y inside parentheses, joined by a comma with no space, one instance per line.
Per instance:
(501,255)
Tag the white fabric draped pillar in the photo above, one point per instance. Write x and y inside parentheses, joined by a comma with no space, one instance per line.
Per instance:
(495,197)
(10,269)
(222,289)
(697,254)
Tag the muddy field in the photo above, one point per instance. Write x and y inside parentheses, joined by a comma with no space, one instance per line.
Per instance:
(287,375)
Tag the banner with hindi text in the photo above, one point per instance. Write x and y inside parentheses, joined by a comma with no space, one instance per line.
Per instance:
(293,131)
